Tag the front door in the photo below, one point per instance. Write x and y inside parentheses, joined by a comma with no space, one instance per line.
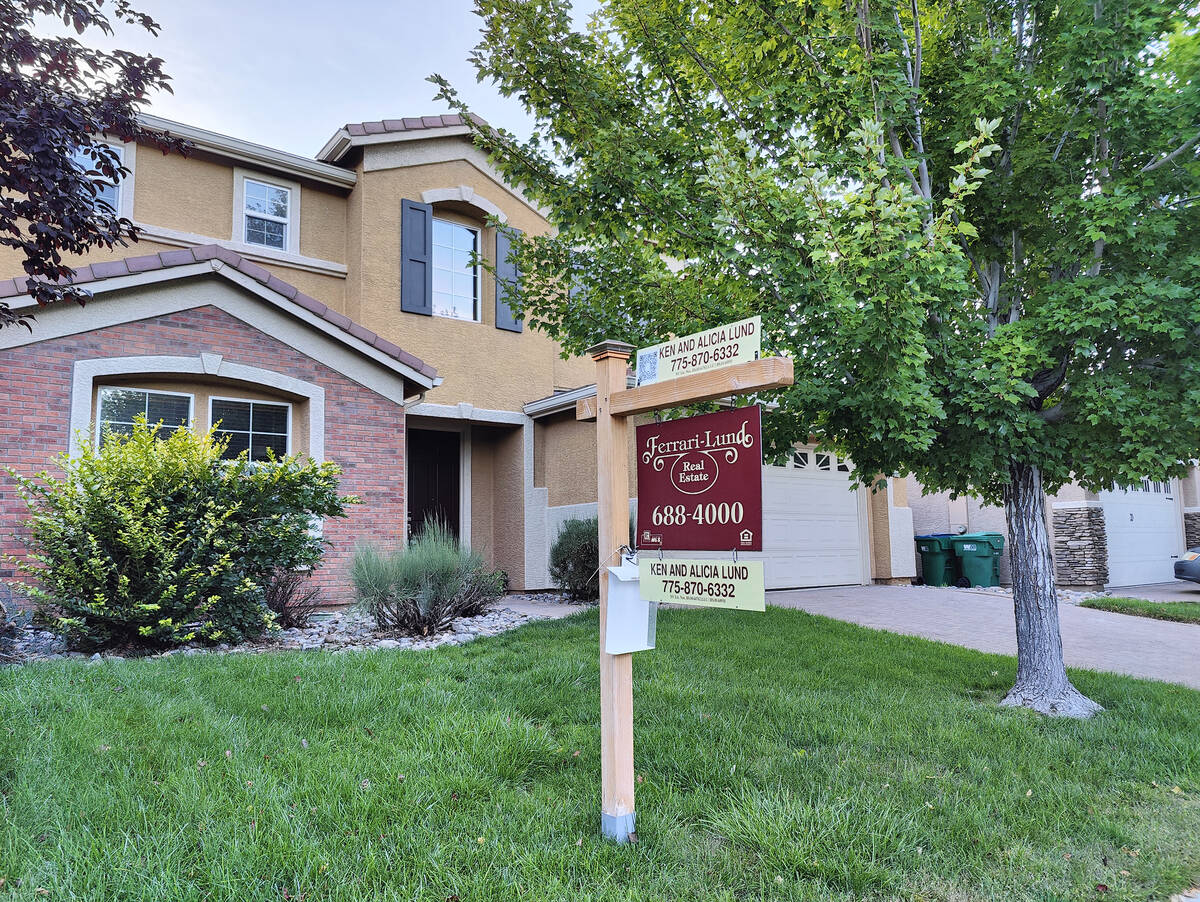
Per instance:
(433,479)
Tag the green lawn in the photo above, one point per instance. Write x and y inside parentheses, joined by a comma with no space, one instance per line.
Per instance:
(1178,611)
(782,756)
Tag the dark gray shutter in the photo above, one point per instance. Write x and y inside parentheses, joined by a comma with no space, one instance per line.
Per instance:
(506,272)
(416,252)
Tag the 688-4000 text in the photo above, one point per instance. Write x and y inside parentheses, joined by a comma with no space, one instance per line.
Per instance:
(704,514)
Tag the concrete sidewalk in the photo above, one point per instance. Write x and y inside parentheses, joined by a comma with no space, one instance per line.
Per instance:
(1096,640)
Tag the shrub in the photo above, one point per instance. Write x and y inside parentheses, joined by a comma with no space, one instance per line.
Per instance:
(573,559)
(419,590)
(291,599)
(154,539)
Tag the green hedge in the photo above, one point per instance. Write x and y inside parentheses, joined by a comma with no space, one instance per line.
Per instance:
(155,539)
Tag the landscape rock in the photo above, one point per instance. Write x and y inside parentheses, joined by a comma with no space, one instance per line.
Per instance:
(341,631)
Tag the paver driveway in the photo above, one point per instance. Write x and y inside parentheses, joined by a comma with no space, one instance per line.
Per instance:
(1179,590)
(1097,640)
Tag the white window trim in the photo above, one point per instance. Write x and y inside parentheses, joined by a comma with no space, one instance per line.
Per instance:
(125,187)
(478,317)
(239,210)
(291,425)
(101,389)
(86,373)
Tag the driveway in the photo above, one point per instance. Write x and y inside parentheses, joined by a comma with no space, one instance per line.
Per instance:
(1096,640)
(1178,590)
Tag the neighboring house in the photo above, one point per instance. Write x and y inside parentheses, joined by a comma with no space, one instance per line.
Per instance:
(1123,537)
(329,306)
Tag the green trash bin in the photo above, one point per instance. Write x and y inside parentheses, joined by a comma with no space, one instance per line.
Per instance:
(939,566)
(978,556)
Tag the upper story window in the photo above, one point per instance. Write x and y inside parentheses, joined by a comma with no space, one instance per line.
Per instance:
(108,192)
(120,407)
(267,212)
(253,426)
(455,276)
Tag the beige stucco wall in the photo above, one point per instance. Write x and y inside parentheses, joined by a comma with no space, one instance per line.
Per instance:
(483,457)
(508,515)
(564,457)
(498,498)
(323,224)
(880,532)
(481,365)
(188,194)
(1191,488)
(194,195)
(360,228)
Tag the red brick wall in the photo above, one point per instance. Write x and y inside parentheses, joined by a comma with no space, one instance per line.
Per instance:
(364,432)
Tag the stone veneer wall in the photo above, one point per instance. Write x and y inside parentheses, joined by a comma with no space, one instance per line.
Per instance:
(1080,547)
(1191,528)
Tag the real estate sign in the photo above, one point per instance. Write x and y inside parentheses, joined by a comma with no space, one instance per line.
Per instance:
(699,482)
(735,585)
(711,349)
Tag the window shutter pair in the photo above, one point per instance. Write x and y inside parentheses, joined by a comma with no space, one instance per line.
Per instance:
(416,266)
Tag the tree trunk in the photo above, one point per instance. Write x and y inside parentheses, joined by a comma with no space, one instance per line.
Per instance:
(1042,682)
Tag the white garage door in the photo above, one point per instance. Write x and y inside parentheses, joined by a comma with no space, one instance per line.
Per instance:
(813,532)
(1143,527)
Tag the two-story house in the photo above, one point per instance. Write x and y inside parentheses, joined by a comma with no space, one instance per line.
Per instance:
(330,306)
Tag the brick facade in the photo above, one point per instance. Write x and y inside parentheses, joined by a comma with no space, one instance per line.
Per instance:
(1080,547)
(364,431)
(1191,528)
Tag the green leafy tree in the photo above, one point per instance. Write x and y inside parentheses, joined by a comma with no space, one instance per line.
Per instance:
(972,224)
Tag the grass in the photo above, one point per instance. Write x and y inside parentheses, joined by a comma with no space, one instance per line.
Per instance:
(780,756)
(1177,611)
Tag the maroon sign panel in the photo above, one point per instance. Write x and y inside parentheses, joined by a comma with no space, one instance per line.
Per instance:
(699,482)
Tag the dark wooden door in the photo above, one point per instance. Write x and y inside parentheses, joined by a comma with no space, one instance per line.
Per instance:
(433,470)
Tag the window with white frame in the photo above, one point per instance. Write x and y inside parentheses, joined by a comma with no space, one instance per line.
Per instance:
(456,276)
(262,428)
(266,214)
(108,191)
(119,408)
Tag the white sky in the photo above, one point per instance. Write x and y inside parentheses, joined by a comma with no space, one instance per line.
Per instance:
(289,74)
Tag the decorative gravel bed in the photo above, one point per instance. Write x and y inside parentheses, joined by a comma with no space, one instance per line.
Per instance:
(342,631)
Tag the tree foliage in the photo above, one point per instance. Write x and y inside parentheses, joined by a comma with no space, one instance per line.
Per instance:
(827,166)
(58,99)
(971,223)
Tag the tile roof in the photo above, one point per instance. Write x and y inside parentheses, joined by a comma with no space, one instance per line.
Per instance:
(413,123)
(189,255)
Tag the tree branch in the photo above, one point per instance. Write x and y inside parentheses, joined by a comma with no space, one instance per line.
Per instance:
(1046,382)
(1163,161)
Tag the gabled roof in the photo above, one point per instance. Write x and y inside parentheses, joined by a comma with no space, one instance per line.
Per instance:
(355,134)
(275,160)
(148,265)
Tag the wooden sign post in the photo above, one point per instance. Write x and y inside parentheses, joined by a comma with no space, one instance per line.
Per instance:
(610,408)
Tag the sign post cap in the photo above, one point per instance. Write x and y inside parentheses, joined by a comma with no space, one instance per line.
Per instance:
(610,348)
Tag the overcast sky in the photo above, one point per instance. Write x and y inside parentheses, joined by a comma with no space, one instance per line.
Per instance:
(289,73)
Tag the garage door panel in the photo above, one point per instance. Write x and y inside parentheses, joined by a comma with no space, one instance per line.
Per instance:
(812,529)
(1142,525)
